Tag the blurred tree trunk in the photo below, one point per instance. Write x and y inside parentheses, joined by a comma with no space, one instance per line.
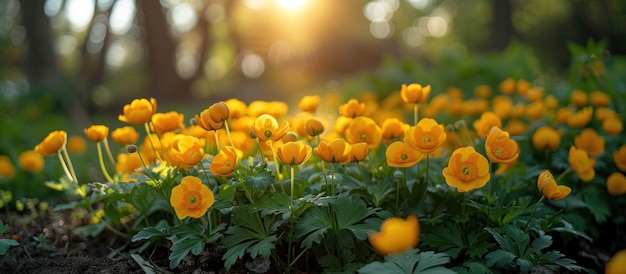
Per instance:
(40,63)
(502,30)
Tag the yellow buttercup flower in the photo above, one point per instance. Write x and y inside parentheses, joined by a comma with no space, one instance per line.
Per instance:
(613,125)
(224,162)
(616,184)
(518,110)
(579,98)
(309,103)
(363,129)
(393,128)
(313,127)
(97,133)
(486,121)
(507,86)
(191,198)
(128,164)
(516,127)
(236,107)
(563,114)
(399,154)
(31,161)
(535,110)
(535,94)
(139,111)
(599,99)
(166,122)
(266,128)
(602,113)
(467,169)
(589,141)
(522,86)
(125,135)
(500,148)
(54,142)
(7,169)
(358,151)
(415,93)
(396,235)
(581,164)
(205,121)
(427,136)
(502,106)
(482,91)
(546,138)
(616,264)
(334,151)
(184,151)
(549,188)
(619,157)
(551,102)
(352,108)
(76,144)
(294,153)
(580,118)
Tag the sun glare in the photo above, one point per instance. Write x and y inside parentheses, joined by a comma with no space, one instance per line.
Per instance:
(291,4)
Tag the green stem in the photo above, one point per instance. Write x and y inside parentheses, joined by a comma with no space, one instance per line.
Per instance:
(217,142)
(108,150)
(64,165)
(533,213)
(230,138)
(415,109)
(324,175)
(101,160)
(362,174)
(293,179)
(147,128)
(277,166)
(332,179)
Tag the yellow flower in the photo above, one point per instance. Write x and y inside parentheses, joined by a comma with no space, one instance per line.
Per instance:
(518,110)
(613,125)
(500,148)
(507,86)
(31,161)
(76,144)
(352,108)
(467,169)
(219,112)
(516,127)
(125,135)
(359,152)
(393,128)
(580,118)
(399,154)
(600,99)
(313,127)
(486,121)
(191,198)
(563,114)
(415,93)
(97,133)
(309,103)
(546,138)
(589,141)
(185,151)
(127,164)
(482,91)
(396,235)
(616,184)
(7,169)
(522,86)
(535,110)
(139,111)
(166,122)
(294,153)
(205,121)
(579,98)
(335,151)
(363,129)
(236,107)
(549,189)
(602,113)
(52,143)
(224,163)
(502,106)
(616,264)
(551,102)
(427,136)
(535,94)
(619,157)
(266,128)
(581,164)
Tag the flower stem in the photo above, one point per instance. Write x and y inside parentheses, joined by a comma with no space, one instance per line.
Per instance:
(292,181)
(415,109)
(567,171)
(108,150)
(147,127)
(217,142)
(277,166)
(101,160)
(362,174)
(533,213)
(332,179)
(230,138)
(324,175)
(80,191)
(64,165)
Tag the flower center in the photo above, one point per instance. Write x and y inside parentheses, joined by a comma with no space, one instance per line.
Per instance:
(363,137)
(466,170)
(499,152)
(427,139)
(404,157)
(268,133)
(193,200)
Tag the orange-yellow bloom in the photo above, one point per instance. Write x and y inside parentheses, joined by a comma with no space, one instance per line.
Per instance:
(500,148)
(76,144)
(482,91)
(600,99)
(619,157)
(205,121)
(522,86)
(399,154)
(334,151)
(313,127)
(363,129)
(393,128)
(613,125)
(185,151)
(125,135)
(502,106)
(31,161)
(616,184)
(549,188)
(415,93)
(294,153)
(236,107)
(589,141)
(166,122)
(352,108)
(396,235)
(359,152)
(616,264)
(52,143)
(486,121)
(580,118)
(139,111)
(219,112)
(581,164)
(7,169)
(546,138)
(579,98)
(467,169)
(309,103)
(507,86)
(97,133)
(266,128)
(427,136)
(224,163)
(191,198)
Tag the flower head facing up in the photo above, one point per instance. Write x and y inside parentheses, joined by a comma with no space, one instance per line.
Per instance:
(467,169)
(334,151)
(415,93)
(294,153)
(580,118)
(185,151)
(589,141)
(139,111)
(125,135)
(97,133)
(363,129)
(486,121)
(224,163)
(31,161)
(309,103)
(619,157)
(7,169)
(616,184)
(500,148)
(399,154)
(166,122)
(396,235)
(54,142)
(546,138)
(358,151)
(427,136)
(352,108)
(581,164)
(266,128)
(549,188)
(191,198)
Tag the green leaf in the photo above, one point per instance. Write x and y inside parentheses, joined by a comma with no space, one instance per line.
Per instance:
(542,242)
(597,202)
(5,244)
(500,258)
(181,248)
(525,265)
(446,238)
(156,231)
(410,261)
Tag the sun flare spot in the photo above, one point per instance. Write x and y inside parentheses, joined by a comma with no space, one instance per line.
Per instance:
(291,4)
